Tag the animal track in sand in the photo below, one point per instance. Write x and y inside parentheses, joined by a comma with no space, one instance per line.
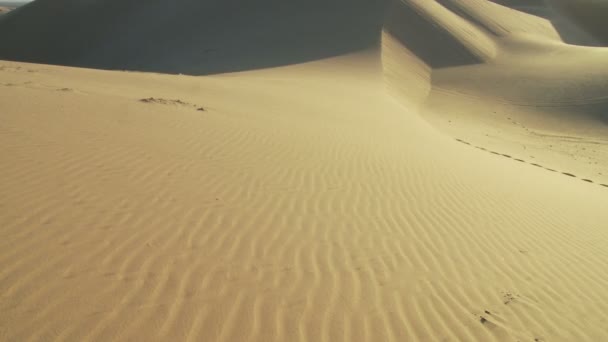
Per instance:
(177,102)
(508,298)
(533,164)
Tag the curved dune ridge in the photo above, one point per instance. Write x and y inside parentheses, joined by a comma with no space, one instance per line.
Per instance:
(407,170)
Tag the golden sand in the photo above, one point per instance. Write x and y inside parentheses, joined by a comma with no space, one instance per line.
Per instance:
(443,176)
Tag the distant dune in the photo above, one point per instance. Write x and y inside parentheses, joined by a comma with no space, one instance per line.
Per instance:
(404,170)
(190,37)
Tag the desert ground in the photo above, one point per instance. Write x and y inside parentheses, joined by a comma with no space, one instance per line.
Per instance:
(346,170)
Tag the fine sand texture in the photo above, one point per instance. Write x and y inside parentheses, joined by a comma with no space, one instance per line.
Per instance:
(411,170)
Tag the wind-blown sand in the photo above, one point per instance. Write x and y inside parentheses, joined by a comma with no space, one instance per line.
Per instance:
(443,176)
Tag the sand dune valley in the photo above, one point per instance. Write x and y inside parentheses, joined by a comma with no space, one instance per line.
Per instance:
(290,170)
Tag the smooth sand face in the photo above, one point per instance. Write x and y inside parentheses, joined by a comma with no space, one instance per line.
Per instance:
(451,188)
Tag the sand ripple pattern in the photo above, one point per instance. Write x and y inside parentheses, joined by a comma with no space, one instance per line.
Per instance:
(336,222)
(291,208)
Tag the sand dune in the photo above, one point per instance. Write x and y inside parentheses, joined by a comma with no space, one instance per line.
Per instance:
(436,173)
(506,89)
(189,37)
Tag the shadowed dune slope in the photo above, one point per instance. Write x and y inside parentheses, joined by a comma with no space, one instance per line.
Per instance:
(188,36)
(561,17)
(589,14)
(419,36)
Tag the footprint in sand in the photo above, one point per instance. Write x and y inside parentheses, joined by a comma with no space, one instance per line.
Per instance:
(508,298)
(489,319)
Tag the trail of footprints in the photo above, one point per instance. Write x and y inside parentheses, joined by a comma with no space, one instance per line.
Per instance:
(533,164)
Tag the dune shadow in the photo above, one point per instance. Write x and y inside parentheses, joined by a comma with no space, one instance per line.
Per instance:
(589,15)
(425,38)
(196,37)
(576,23)
(457,9)
(533,7)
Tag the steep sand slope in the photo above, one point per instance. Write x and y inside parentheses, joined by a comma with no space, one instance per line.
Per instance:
(307,202)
